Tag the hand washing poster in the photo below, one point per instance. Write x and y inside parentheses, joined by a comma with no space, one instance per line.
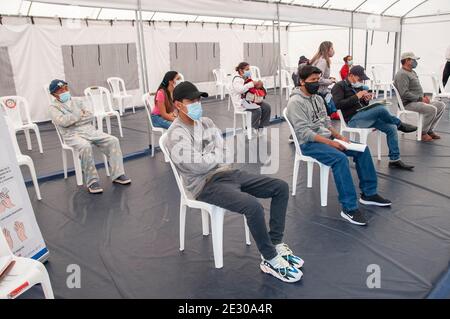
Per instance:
(17,221)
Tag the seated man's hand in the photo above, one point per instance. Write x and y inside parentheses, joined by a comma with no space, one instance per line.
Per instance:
(343,138)
(361,94)
(337,145)
(368,97)
(426,100)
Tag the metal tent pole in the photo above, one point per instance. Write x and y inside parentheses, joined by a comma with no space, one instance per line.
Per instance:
(138,30)
(144,53)
(278,114)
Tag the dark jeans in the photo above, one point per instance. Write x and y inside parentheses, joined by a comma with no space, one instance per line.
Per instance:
(340,166)
(261,116)
(237,191)
(380,118)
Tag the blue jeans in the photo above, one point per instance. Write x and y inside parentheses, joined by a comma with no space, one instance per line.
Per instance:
(340,166)
(159,121)
(379,117)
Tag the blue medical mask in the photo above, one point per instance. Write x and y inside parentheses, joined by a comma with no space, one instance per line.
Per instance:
(357,85)
(195,111)
(414,64)
(350,63)
(65,97)
(248,74)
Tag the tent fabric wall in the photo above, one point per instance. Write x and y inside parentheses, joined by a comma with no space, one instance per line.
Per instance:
(37,57)
(7,86)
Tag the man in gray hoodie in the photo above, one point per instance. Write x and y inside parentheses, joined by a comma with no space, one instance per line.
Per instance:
(196,148)
(317,138)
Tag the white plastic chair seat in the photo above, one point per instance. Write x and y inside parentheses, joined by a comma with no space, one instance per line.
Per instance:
(214,212)
(402,111)
(149,104)
(25,274)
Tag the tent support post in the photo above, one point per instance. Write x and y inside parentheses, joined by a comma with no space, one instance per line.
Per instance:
(399,51)
(366,50)
(144,53)
(279,62)
(274,54)
(138,30)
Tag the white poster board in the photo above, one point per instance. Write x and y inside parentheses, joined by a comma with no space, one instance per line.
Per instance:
(17,221)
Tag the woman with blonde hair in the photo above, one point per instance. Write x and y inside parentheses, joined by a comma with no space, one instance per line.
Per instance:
(322,60)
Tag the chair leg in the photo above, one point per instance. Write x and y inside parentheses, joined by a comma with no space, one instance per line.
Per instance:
(38,137)
(152,138)
(324,175)
(108,124)
(419,127)
(28,139)
(120,125)
(30,165)
(182,224)
(247,233)
(105,159)
(248,117)
(205,222)
(100,123)
(120,102)
(379,145)
(310,167)
(295,177)
(234,124)
(217,235)
(64,159)
(47,287)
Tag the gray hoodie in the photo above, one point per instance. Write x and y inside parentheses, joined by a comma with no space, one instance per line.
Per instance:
(308,116)
(197,151)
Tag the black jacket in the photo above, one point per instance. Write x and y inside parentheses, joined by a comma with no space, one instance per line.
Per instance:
(446,74)
(346,100)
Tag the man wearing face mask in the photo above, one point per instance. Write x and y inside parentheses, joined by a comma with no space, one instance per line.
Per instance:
(74,122)
(411,92)
(196,148)
(317,138)
(351,98)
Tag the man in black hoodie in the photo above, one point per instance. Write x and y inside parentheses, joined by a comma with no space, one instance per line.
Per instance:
(350,97)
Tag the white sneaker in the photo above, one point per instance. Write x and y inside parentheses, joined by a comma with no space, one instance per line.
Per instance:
(284,251)
(281,269)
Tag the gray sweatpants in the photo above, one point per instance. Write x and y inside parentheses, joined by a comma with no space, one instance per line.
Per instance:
(261,116)
(432,113)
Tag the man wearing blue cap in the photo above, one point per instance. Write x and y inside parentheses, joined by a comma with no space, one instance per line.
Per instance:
(74,122)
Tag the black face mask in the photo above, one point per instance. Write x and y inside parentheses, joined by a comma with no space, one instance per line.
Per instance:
(312,87)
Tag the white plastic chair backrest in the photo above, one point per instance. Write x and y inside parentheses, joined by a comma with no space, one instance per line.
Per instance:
(149,103)
(286,80)
(294,136)
(17,110)
(256,73)
(341,117)
(447,87)
(181,76)
(162,145)
(217,76)
(436,86)
(61,140)
(12,134)
(399,99)
(49,97)
(117,86)
(100,99)
(375,77)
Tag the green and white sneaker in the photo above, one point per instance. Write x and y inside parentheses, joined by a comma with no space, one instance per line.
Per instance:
(281,269)
(284,251)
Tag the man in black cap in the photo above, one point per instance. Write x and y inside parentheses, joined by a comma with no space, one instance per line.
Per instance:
(196,147)
(74,122)
(353,100)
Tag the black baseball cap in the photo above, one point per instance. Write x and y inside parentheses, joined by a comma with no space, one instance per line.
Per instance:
(187,90)
(55,85)
(359,72)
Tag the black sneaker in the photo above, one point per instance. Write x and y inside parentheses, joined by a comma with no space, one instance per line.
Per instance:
(355,217)
(123,180)
(375,200)
(95,188)
(400,165)
(407,128)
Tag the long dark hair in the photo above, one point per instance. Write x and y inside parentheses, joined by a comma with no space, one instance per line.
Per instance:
(241,66)
(168,101)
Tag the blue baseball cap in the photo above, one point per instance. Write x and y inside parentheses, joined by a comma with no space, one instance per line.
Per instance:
(55,85)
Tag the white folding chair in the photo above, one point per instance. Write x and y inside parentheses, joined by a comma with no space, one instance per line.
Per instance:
(377,84)
(438,85)
(119,93)
(402,111)
(362,132)
(181,76)
(220,82)
(149,103)
(23,160)
(97,96)
(238,110)
(76,159)
(324,169)
(216,213)
(25,274)
(18,111)
(286,83)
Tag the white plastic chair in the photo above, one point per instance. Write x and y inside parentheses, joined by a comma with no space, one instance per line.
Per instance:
(216,213)
(362,132)
(18,111)
(402,111)
(119,93)
(76,159)
(324,169)
(286,83)
(25,274)
(181,76)
(256,73)
(219,77)
(238,110)
(438,85)
(377,84)
(23,159)
(149,105)
(97,96)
